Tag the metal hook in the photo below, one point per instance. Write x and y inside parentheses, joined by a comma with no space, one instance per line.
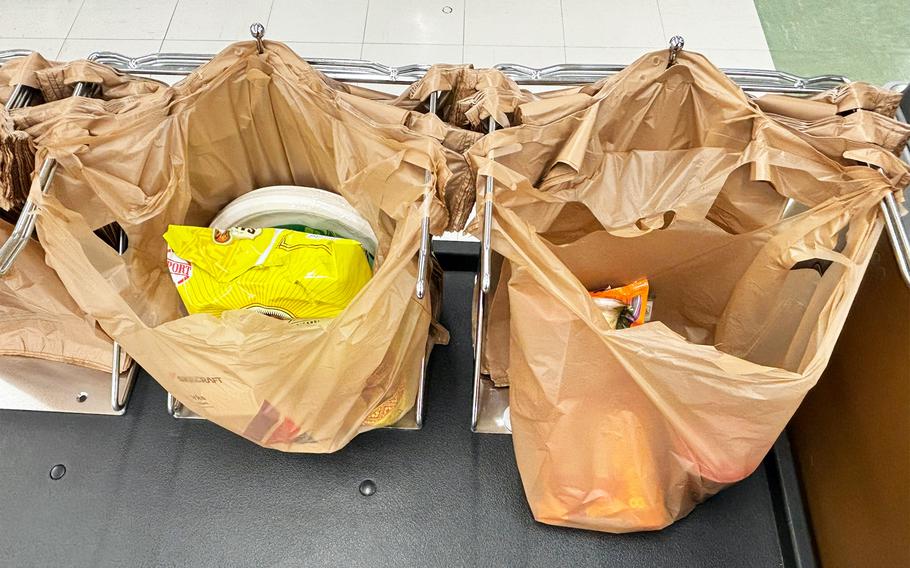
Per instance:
(676,45)
(257,30)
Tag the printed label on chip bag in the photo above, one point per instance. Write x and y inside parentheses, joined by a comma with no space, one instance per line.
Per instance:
(180,269)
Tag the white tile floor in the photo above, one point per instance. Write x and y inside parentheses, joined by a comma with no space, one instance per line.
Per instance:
(395,32)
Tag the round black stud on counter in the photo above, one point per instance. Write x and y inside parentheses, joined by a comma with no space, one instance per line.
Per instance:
(367,487)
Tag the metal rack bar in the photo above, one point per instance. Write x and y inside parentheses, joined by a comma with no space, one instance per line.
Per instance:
(25,225)
(118,404)
(897,235)
(422,258)
(564,74)
(486,255)
(893,223)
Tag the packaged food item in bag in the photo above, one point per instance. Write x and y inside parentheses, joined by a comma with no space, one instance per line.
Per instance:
(280,273)
(626,306)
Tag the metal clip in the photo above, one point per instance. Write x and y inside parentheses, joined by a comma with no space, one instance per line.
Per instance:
(676,45)
(423,256)
(257,30)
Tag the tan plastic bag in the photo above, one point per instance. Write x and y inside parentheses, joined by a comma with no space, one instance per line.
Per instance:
(240,122)
(623,430)
(39,319)
(55,83)
(744,204)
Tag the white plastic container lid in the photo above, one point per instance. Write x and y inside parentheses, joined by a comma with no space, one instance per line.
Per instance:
(283,205)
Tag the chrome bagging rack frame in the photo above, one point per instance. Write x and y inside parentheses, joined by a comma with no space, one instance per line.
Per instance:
(489,412)
(37,384)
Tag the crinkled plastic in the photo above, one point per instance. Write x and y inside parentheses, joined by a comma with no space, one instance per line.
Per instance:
(39,319)
(178,156)
(676,175)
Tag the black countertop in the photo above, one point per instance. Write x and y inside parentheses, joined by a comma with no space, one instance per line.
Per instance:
(145,489)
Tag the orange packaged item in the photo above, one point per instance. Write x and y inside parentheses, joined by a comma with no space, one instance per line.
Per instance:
(634,295)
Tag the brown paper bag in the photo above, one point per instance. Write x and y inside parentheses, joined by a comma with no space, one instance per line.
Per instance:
(244,121)
(622,430)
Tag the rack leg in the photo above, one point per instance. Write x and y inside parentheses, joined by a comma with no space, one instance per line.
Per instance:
(897,235)
(118,404)
(482,290)
(422,258)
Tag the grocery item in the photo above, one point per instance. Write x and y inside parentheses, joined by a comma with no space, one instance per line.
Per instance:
(612,309)
(280,273)
(299,208)
(626,306)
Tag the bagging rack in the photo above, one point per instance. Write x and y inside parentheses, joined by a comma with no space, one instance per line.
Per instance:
(178,65)
(489,404)
(36,384)
(489,412)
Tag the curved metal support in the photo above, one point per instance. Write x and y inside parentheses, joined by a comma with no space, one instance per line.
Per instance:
(768,81)
(897,235)
(25,225)
(8,54)
(15,98)
(360,71)
(423,255)
(21,97)
(486,255)
(118,404)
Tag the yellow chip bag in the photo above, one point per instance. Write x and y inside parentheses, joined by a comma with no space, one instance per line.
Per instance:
(281,273)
